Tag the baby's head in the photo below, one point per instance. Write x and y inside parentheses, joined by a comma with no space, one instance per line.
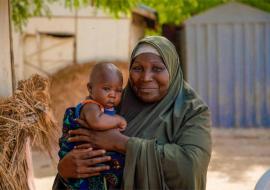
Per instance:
(105,84)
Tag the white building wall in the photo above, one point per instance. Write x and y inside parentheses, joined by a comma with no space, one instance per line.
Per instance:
(18,55)
(102,39)
(46,55)
(44,24)
(97,38)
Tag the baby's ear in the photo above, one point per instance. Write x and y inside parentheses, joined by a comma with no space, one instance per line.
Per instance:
(89,87)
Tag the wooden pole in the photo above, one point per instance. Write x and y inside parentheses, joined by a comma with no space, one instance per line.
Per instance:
(6,84)
(13,78)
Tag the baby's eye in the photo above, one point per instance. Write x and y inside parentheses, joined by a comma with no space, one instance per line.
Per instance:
(119,90)
(106,88)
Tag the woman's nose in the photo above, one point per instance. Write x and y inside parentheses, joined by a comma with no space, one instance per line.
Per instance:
(147,76)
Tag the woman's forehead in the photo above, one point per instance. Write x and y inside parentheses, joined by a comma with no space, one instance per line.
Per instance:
(149,58)
(145,48)
(166,51)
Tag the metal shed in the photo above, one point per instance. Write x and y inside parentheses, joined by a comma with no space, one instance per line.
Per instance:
(227,60)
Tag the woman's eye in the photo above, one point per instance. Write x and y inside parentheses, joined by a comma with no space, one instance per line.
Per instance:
(136,69)
(158,69)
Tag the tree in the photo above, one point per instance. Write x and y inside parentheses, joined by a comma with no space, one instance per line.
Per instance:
(176,11)
(22,10)
(170,11)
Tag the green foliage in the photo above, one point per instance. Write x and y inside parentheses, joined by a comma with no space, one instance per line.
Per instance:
(176,11)
(260,4)
(169,11)
(115,7)
(23,9)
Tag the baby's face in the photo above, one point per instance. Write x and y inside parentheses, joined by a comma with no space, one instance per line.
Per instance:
(107,91)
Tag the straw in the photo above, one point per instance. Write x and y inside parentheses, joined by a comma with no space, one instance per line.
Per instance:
(24,115)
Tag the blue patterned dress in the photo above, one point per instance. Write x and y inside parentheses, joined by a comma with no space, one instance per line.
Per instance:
(110,179)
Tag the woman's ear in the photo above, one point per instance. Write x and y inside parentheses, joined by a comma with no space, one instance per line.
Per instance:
(89,87)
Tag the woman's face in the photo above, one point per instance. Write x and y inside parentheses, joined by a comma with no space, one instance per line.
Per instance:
(149,77)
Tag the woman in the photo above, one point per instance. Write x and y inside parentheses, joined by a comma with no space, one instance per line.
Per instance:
(167,143)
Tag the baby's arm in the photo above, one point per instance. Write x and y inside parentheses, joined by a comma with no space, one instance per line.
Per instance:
(95,118)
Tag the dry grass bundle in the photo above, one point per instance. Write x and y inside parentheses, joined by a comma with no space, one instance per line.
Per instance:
(24,115)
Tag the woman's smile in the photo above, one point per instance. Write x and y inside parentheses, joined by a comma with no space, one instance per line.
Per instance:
(147,90)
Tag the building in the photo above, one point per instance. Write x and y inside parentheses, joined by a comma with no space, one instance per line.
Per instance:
(227,60)
(70,37)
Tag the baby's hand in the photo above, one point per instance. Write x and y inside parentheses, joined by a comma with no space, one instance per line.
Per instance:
(122,124)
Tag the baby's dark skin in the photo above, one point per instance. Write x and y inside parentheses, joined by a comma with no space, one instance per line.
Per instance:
(105,87)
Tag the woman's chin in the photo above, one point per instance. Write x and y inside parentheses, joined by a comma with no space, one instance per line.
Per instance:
(148,98)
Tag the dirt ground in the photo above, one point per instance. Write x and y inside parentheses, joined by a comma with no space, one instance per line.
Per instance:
(239,157)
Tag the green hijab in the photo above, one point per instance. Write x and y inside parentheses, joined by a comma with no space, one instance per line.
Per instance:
(170,144)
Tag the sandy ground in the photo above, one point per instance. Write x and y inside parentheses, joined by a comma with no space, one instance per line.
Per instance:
(239,157)
(238,160)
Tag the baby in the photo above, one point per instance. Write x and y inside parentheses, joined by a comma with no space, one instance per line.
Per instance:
(105,90)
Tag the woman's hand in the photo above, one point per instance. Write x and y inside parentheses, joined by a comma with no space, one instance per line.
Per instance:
(111,140)
(81,163)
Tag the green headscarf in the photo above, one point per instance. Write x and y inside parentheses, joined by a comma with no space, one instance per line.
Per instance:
(170,144)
